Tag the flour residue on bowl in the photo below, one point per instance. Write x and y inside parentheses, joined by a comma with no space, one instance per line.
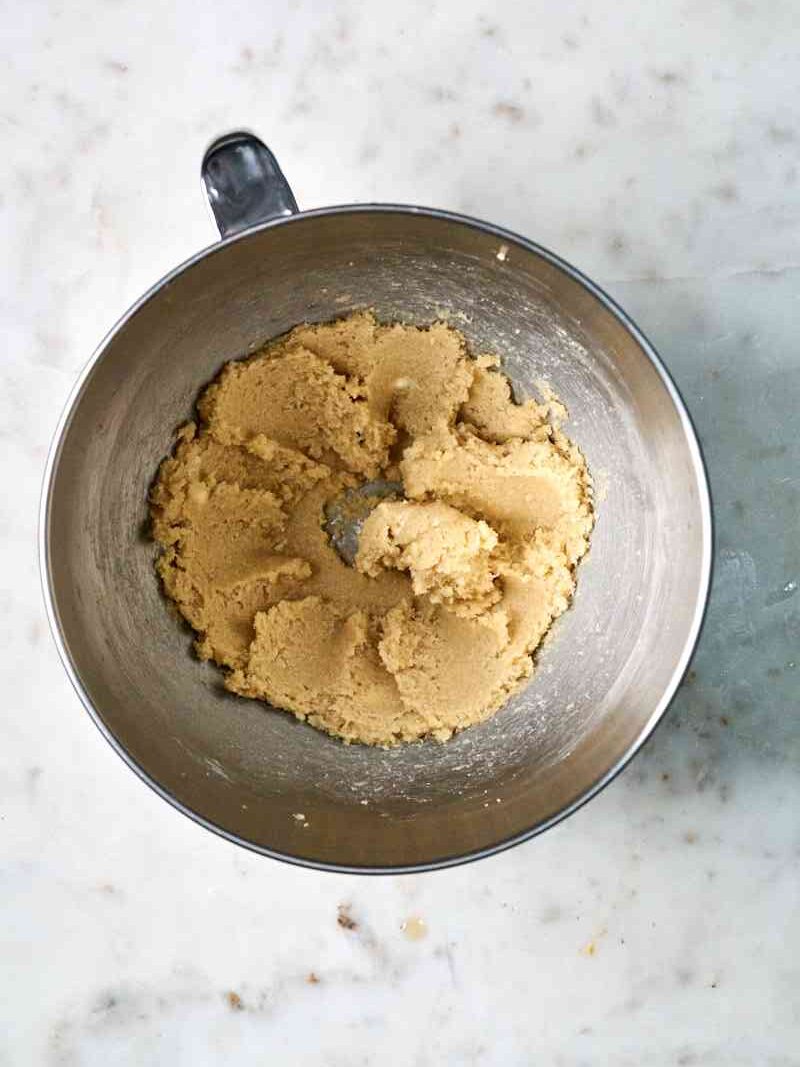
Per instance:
(455,582)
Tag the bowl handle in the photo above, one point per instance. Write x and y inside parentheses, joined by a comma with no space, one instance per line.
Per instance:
(243,183)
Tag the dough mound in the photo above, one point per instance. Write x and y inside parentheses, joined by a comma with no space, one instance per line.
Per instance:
(453,587)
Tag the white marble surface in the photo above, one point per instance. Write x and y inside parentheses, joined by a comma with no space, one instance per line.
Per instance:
(656,146)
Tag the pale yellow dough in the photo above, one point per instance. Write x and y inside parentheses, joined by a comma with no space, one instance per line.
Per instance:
(453,588)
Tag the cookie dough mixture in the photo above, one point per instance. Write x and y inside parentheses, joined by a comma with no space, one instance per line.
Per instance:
(456,580)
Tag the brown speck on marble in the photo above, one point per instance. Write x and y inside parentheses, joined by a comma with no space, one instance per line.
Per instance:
(312,978)
(690,837)
(345,919)
(665,776)
(508,110)
(724,720)
(235,1002)
(691,677)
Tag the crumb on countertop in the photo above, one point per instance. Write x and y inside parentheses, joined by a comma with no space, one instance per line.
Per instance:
(345,919)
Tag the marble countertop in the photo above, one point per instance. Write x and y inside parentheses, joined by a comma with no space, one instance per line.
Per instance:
(657,147)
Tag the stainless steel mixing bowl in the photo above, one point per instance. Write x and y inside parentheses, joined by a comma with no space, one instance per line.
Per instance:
(603,679)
